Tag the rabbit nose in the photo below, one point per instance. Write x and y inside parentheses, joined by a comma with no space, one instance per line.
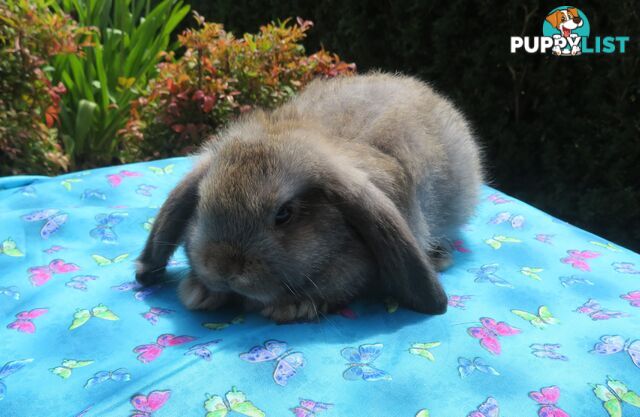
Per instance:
(231,262)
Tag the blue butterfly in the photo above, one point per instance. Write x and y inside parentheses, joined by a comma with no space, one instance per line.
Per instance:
(360,363)
(202,350)
(104,230)
(10,292)
(8,369)
(487,273)
(467,367)
(120,374)
(97,194)
(572,280)
(27,191)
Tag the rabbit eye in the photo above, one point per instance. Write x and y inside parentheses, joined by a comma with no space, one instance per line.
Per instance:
(284,214)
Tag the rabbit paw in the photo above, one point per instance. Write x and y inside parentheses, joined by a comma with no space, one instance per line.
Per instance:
(196,296)
(305,310)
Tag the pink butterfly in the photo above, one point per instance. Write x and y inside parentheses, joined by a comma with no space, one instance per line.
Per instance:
(146,405)
(595,312)
(310,408)
(547,399)
(544,238)
(459,246)
(458,301)
(488,334)
(348,313)
(116,179)
(40,275)
(497,199)
(23,323)
(633,297)
(154,313)
(578,259)
(150,352)
(53,249)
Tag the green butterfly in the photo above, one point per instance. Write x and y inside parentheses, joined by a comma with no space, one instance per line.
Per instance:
(497,240)
(422,349)
(80,317)
(540,321)
(9,248)
(234,400)
(613,394)
(68,365)
(102,261)
(531,272)
(67,183)
(391,305)
(162,171)
(224,325)
(607,245)
(423,413)
(148,224)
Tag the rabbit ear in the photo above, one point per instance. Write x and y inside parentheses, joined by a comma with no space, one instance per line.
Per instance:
(405,270)
(169,227)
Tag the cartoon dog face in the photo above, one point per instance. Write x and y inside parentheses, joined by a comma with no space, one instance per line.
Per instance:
(565,20)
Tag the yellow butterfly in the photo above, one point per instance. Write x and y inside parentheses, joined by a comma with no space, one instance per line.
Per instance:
(148,224)
(67,184)
(64,371)
(391,305)
(234,400)
(423,413)
(607,245)
(539,321)
(80,317)
(224,325)
(497,240)
(422,349)
(531,272)
(162,171)
(613,395)
(9,248)
(102,261)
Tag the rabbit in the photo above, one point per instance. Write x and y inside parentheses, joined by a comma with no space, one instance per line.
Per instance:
(355,186)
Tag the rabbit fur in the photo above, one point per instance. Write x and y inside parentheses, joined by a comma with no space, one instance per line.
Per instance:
(374,175)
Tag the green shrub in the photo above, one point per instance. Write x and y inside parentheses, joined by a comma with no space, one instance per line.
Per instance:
(217,78)
(101,83)
(30,36)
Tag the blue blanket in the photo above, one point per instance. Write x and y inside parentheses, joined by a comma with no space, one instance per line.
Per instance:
(543,320)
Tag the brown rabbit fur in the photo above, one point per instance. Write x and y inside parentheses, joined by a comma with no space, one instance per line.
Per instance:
(357,184)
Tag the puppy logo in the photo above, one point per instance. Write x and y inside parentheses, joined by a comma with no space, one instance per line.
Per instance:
(567,26)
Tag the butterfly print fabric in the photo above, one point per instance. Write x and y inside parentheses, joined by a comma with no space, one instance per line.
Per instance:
(543,321)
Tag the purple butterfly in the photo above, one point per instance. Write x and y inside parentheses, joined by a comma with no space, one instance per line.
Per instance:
(516,220)
(609,345)
(496,198)
(79,282)
(154,313)
(104,230)
(54,220)
(488,408)
(547,350)
(145,189)
(487,273)
(140,292)
(10,368)
(595,312)
(544,238)
(310,408)
(361,363)
(201,349)
(625,268)
(10,292)
(287,362)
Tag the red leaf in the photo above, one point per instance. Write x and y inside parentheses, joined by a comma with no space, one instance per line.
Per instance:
(178,128)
